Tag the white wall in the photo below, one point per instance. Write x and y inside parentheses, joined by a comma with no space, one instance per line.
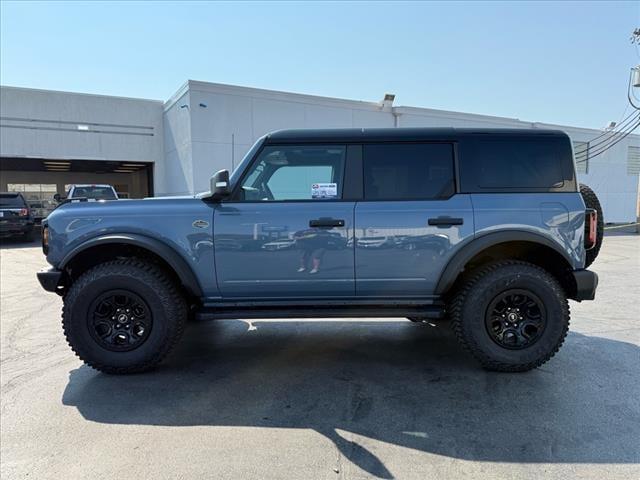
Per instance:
(176,175)
(236,117)
(42,123)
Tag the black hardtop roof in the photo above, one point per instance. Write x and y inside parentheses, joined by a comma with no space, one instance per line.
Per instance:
(398,134)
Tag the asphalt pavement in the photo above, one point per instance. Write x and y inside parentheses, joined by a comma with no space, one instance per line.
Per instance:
(322,399)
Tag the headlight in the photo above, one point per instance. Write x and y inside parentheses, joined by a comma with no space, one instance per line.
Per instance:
(45,239)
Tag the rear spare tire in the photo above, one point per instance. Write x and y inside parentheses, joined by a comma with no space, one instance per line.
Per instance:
(591,201)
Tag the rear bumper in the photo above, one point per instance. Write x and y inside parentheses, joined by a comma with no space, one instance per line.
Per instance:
(586,284)
(15,228)
(49,279)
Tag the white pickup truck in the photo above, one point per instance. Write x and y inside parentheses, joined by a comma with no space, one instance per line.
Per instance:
(90,192)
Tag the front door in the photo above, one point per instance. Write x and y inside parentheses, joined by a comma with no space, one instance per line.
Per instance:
(410,220)
(287,233)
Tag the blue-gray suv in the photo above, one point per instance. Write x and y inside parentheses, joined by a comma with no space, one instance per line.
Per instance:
(486,228)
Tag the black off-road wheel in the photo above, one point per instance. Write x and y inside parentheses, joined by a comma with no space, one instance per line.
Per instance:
(512,316)
(591,201)
(123,316)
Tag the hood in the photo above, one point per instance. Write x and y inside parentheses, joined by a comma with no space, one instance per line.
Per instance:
(156,205)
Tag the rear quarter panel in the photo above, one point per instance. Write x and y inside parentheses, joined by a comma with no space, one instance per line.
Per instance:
(557,216)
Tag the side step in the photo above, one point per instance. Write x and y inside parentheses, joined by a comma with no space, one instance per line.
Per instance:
(434,312)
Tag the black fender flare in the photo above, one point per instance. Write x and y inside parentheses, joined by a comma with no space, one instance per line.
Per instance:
(483,242)
(164,251)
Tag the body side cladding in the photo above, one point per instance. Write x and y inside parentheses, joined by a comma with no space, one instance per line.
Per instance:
(457,264)
(164,251)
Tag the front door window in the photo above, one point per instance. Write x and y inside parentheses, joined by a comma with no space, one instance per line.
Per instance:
(309,172)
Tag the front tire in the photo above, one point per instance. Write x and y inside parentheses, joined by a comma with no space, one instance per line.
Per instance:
(512,316)
(123,316)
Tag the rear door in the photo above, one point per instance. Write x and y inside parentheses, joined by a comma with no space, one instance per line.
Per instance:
(410,220)
(287,232)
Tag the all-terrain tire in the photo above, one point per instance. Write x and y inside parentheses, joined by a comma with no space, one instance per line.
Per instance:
(150,283)
(469,307)
(591,201)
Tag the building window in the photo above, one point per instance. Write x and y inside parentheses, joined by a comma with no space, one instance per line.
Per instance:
(633,160)
(581,153)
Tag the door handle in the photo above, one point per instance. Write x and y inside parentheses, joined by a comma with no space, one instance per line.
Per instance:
(324,222)
(442,222)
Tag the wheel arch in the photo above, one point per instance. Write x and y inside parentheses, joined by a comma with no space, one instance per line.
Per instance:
(521,245)
(105,247)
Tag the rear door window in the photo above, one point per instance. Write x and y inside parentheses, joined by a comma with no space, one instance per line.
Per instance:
(408,171)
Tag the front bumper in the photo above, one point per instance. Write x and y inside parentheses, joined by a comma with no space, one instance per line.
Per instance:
(586,284)
(49,279)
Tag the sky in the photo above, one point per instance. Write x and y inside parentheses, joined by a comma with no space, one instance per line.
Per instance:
(562,63)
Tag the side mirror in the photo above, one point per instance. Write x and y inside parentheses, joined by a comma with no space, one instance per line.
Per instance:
(219,185)
(57,197)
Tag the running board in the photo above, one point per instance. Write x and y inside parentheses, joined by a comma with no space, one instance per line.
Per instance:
(433,312)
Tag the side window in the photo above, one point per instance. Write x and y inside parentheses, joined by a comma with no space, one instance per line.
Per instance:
(410,171)
(520,163)
(296,172)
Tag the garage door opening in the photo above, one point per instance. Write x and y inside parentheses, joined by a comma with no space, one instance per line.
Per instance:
(40,179)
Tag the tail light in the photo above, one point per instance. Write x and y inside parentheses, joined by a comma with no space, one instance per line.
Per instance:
(24,212)
(590,228)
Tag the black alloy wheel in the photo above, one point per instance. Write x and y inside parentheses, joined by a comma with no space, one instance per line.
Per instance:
(119,320)
(515,319)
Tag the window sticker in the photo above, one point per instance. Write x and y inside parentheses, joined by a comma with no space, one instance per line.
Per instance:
(324,190)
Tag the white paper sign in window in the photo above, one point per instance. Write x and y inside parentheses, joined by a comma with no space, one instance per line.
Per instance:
(324,190)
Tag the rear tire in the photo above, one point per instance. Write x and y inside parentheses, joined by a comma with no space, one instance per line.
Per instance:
(481,314)
(123,316)
(591,201)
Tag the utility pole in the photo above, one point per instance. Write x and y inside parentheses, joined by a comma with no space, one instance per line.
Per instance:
(635,82)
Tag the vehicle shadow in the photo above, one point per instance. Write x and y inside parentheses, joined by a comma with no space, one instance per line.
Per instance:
(397,382)
(10,243)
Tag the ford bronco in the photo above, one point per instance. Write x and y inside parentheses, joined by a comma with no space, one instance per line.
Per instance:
(486,228)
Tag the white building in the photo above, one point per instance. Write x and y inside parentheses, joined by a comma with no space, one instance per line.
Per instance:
(51,139)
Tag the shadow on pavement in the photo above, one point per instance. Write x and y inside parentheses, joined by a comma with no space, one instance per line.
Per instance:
(621,231)
(396,382)
(9,243)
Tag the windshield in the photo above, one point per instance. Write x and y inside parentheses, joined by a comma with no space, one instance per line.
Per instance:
(8,200)
(95,193)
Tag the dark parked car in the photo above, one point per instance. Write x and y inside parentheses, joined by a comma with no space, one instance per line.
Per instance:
(489,228)
(15,216)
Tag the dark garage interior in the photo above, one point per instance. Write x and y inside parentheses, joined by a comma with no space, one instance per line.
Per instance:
(40,179)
